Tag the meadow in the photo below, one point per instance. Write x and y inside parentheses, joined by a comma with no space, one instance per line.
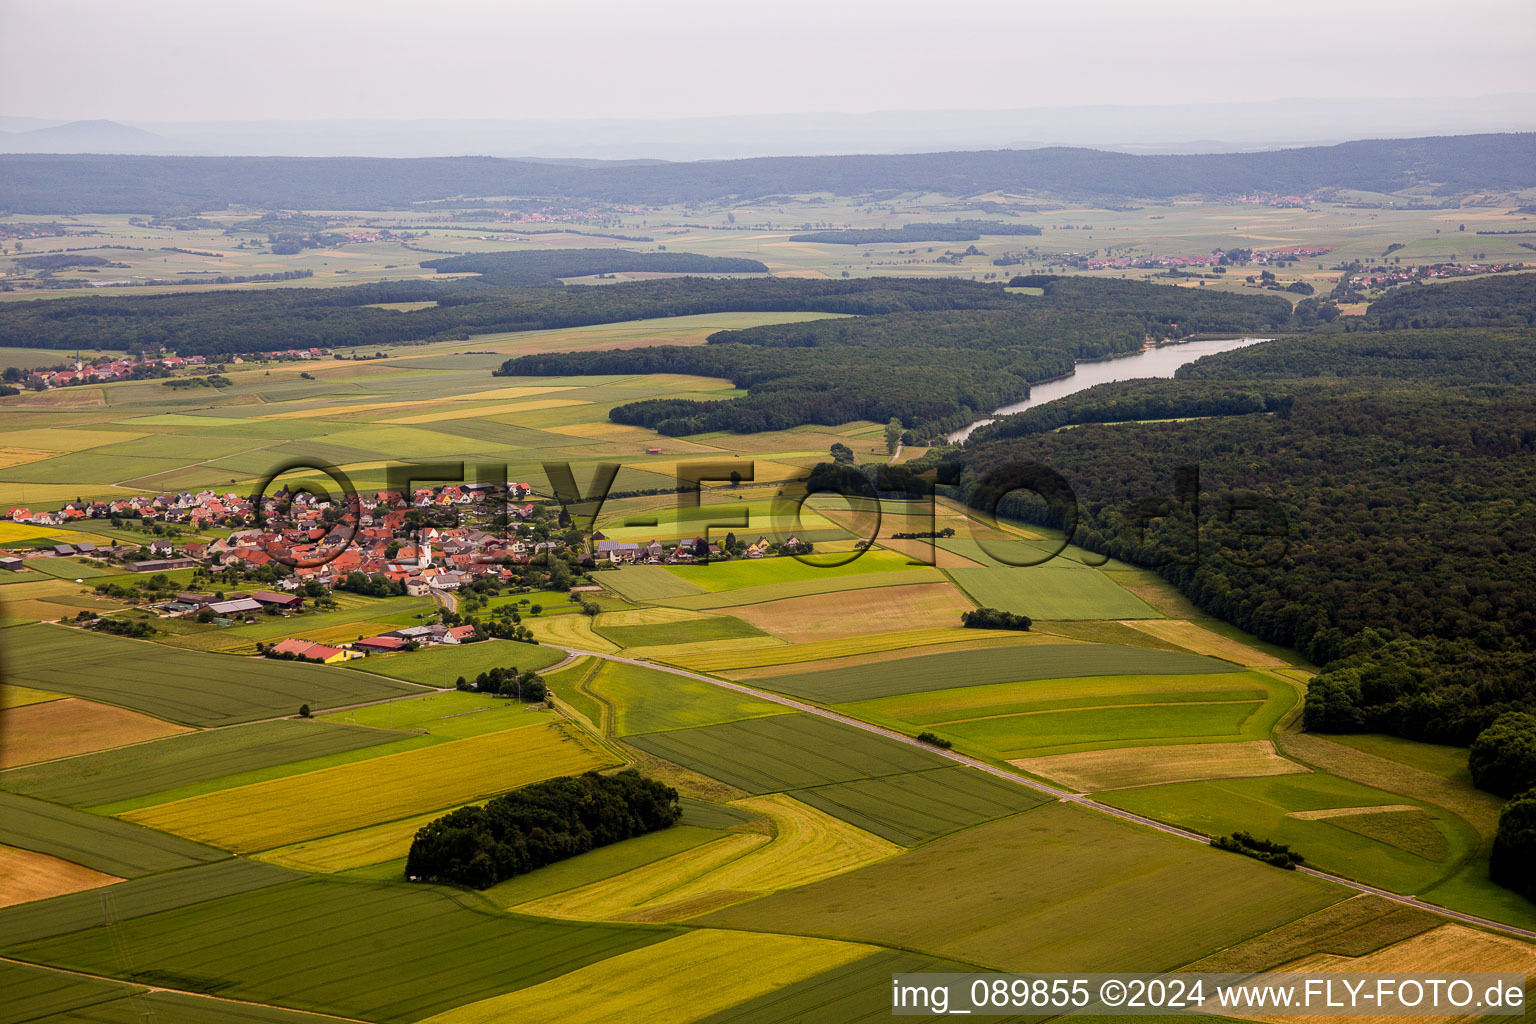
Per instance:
(599,864)
(186,687)
(1395,844)
(264,815)
(784,752)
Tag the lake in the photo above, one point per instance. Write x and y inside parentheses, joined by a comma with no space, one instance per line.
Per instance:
(1162,361)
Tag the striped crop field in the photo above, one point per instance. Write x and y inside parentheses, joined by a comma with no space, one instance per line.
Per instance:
(334,800)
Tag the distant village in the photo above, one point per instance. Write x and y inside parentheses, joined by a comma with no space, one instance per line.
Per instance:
(141,368)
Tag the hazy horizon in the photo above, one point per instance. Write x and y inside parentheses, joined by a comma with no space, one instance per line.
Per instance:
(176,61)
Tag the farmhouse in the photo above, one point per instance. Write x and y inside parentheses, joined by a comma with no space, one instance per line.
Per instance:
(313,651)
(164,565)
(287,602)
(239,606)
(379,644)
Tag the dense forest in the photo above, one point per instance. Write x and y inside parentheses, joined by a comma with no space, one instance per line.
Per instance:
(63,184)
(546,266)
(1505,300)
(256,321)
(933,371)
(1396,475)
(538,825)
(958,231)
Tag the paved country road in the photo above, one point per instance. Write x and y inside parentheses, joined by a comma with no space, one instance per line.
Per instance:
(1059,794)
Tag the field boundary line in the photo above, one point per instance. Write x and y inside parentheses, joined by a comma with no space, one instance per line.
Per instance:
(1064,796)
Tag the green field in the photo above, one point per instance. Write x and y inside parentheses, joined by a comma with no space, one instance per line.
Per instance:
(795,751)
(715,627)
(1054,716)
(188,687)
(825,584)
(456,714)
(441,664)
(596,865)
(138,897)
(1057,888)
(1393,850)
(644,700)
(409,951)
(646,583)
(1051,591)
(741,573)
(110,776)
(102,844)
(34,993)
(856,993)
(918,806)
(988,665)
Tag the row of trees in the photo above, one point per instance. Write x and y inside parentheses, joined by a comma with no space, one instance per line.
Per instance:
(538,825)
(534,267)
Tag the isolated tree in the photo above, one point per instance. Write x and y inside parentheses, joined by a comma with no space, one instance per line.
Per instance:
(1512,862)
(304,711)
(892,435)
(1503,757)
(841,453)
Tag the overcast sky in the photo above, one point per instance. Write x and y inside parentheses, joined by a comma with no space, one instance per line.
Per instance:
(170,60)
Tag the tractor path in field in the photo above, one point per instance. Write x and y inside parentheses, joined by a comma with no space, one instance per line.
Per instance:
(1058,794)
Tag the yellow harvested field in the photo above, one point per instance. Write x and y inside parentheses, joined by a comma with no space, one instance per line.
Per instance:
(18,696)
(339,799)
(568,631)
(673,982)
(1202,641)
(26,876)
(349,850)
(807,845)
(1449,949)
(825,655)
(1093,771)
(519,391)
(50,729)
(67,440)
(11,532)
(479,411)
(333,411)
(1345,812)
(20,457)
(830,616)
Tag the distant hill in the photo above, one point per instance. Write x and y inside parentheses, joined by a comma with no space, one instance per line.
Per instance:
(43,184)
(85,137)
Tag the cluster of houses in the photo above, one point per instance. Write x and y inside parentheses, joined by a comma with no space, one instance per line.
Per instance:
(384,643)
(199,510)
(680,552)
(107,370)
(1216,257)
(440,558)
(1404,275)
